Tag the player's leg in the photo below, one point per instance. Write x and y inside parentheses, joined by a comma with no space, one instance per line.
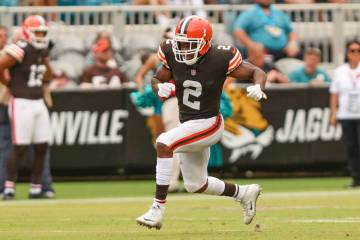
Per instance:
(170,117)
(17,153)
(5,145)
(40,139)
(194,170)
(166,143)
(177,138)
(47,180)
(196,180)
(21,121)
(35,190)
(164,169)
(174,181)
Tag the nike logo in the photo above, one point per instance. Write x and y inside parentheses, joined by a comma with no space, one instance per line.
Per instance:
(146,219)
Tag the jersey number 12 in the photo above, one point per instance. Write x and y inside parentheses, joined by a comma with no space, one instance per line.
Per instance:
(36,75)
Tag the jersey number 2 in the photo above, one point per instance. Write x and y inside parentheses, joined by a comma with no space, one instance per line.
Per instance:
(192,88)
(36,75)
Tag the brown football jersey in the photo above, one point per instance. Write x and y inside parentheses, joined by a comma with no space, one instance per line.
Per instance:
(102,77)
(26,76)
(199,86)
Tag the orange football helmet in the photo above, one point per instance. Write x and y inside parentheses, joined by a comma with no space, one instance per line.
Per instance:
(31,26)
(192,39)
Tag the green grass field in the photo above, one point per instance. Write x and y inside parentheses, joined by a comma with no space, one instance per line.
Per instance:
(311,208)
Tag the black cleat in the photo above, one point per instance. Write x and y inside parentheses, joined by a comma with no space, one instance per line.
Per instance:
(35,195)
(48,194)
(8,196)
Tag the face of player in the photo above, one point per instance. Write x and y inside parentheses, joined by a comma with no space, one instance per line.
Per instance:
(186,46)
(40,34)
(353,53)
(311,62)
(3,38)
(40,39)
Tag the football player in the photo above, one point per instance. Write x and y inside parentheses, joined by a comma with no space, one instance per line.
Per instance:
(28,64)
(199,70)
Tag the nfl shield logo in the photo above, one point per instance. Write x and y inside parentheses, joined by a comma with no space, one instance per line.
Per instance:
(193,72)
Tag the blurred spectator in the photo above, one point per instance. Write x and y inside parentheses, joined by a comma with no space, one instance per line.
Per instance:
(265,30)
(296,1)
(345,107)
(5,132)
(9,3)
(194,3)
(90,59)
(274,75)
(164,18)
(310,72)
(105,72)
(235,1)
(89,2)
(38,2)
(151,62)
(339,1)
(61,81)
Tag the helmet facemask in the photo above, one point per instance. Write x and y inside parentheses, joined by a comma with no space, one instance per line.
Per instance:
(187,50)
(36,40)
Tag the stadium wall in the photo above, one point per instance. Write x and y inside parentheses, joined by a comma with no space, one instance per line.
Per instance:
(102,130)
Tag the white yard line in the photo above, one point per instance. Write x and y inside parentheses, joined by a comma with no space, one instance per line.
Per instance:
(327,220)
(112,231)
(182,197)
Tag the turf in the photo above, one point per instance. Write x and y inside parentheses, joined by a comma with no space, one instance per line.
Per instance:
(311,208)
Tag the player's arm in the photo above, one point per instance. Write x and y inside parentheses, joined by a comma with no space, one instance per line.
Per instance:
(160,83)
(13,54)
(6,62)
(48,75)
(246,71)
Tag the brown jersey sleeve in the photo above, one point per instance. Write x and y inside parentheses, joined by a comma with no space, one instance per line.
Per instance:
(235,59)
(162,53)
(15,51)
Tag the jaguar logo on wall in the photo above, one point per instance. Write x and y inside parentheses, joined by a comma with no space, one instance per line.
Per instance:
(247,131)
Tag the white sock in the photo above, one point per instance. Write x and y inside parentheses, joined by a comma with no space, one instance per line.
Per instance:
(9,187)
(164,167)
(215,186)
(35,189)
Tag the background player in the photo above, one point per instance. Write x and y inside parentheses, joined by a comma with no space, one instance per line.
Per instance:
(28,64)
(199,71)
